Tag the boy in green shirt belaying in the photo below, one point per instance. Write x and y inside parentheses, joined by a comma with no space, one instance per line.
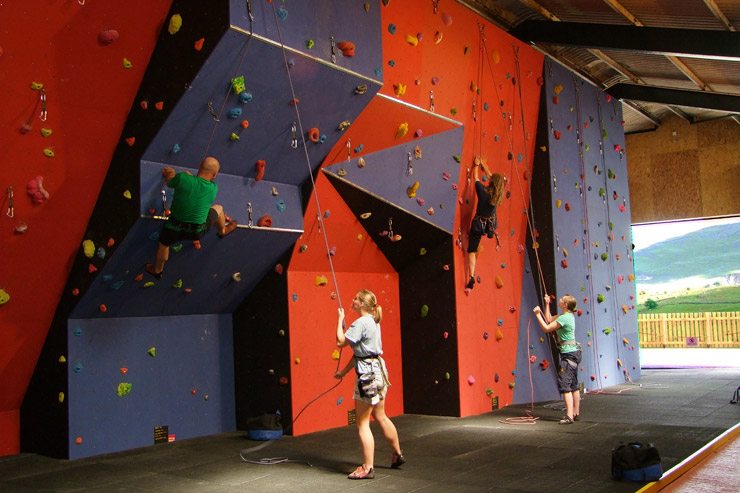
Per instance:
(192,212)
(564,326)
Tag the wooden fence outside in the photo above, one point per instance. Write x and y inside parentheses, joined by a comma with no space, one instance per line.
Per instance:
(678,330)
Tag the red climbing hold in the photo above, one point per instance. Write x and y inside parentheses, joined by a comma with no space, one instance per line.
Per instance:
(313,135)
(260,170)
(198,45)
(279,269)
(347,48)
(265,221)
(91,268)
(159,105)
(130,141)
(103,308)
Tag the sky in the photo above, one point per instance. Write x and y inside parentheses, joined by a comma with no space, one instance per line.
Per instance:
(644,235)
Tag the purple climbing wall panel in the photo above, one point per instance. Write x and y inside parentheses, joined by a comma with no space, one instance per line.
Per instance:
(208,118)
(591,224)
(298,24)
(536,380)
(129,375)
(390,173)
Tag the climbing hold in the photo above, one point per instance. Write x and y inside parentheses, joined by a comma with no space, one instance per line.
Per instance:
(149,284)
(424,311)
(399,89)
(245,97)
(412,40)
(130,141)
(310,43)
(430,211)
(347,48)
(604,256)
(144,104)
(78,440)
(321,280)
(45,132)
(108,36)
(265,221)
(564,263)
(35,190)
(4,296)
(600,298)
(313,135)
(446,19)
(499,282)
(402,130)
(177,284)
(198,45)
(260,166)
(420,201)
(499,335)
(297,361)
(235,113)
(49,152)
(607,330)
(175,24)
(567,207)
(88,248)
(485,336)
(411,191)
(100,252)
(392,28)
(533,359)
(512,385)
(127,63)
(556,134)
(36,86)
(124,388)
(471,379)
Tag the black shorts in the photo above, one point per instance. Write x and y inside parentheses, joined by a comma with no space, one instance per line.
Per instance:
(568,374)
(168,236)
(479,227)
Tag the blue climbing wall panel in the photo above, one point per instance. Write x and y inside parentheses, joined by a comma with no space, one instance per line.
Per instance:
(389,173)
(180,371)
(591,224)
(535,380)
(318,21)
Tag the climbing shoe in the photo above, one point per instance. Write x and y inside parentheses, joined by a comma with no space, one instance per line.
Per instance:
(361,473)
(471,283)
(149,268)
(397,460)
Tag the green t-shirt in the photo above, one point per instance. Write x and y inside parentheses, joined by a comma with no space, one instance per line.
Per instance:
(192,199)
(567,331)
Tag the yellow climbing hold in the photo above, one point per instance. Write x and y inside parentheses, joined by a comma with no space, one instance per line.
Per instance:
(149,284)
(175,24)
(558,203)
(127,63)
(412,40)
(499,334)
(403,129)
(558,89)
(399,89)
(62,359)
(321,280)
(411,191)
(61,397)
(495,56)
(37,86)
(335,354)
(88,248)
(127,194)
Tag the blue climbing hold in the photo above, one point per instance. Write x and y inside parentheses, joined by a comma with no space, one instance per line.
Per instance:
(280,204)
(392,28)
(235,112)
(117,285)
(78,367)
(282,12)
(77,332)
(175,148)
(246,97)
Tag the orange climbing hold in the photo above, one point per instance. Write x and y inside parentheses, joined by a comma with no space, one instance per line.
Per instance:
(347,48)
(313,135)
(499,282)
(260,170)
(198,45)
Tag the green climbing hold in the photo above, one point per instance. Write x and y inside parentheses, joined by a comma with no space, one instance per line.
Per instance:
(457,158)
(610,174)
(602,192)
(600,298)
(176,247)
(177,284)
(424,311)
(149,284)
(604,256)
(152,351)
(607,330)
(447,375)
(124,388)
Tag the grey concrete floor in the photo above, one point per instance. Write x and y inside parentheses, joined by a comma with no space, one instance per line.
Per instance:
(677,410)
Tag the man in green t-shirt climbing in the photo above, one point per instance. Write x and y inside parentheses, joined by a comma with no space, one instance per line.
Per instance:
(192,212)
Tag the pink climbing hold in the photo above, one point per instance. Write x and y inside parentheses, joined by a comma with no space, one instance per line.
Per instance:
(35,190)
(446,19)
(265,221)
(279,269)
(471,379)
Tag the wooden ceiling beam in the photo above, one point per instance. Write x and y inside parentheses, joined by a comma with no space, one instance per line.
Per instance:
(622,10)
(714,8)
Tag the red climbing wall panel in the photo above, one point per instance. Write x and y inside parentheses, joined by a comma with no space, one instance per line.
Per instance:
(88,94)
(358,264)
(461,68)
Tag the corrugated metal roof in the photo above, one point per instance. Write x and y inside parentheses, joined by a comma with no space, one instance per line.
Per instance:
(611,68)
